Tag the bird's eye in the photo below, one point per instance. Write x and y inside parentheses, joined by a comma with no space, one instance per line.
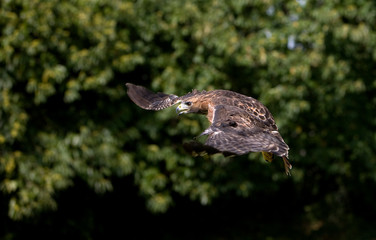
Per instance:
(188,103)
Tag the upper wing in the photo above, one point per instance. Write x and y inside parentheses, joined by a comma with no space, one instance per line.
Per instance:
(250,105)
(149,100)
(235,131)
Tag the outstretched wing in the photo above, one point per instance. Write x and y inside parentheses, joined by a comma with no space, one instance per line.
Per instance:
(149,100)
(235,131)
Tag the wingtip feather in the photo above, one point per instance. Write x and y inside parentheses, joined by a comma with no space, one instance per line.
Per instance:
(149,100)
(138,95)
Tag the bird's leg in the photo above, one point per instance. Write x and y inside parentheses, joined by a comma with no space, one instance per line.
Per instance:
(268,156)
(287,165)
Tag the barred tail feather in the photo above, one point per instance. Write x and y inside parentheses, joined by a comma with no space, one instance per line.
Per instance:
(287,165)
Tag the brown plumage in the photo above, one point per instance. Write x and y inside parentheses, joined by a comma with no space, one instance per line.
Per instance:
(239,124)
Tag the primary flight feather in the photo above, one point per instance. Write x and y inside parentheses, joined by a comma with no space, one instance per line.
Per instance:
(239,124)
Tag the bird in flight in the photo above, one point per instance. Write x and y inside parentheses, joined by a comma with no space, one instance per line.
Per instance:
(239,124)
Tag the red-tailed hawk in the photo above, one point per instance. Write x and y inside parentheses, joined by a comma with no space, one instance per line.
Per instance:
(239,124)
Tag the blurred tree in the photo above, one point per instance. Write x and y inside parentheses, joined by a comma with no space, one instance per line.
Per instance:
(64,114)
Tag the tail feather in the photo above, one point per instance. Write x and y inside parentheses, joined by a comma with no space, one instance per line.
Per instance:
(270,156)
(287,165)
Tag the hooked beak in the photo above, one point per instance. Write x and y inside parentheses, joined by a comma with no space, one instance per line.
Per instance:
(182,108)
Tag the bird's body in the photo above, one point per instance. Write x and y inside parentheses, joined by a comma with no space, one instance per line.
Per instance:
(239,124)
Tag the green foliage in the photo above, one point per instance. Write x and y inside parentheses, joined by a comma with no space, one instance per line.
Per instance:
(64,113)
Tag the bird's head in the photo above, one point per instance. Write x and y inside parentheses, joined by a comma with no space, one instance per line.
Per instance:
(193,103)
(187,106)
